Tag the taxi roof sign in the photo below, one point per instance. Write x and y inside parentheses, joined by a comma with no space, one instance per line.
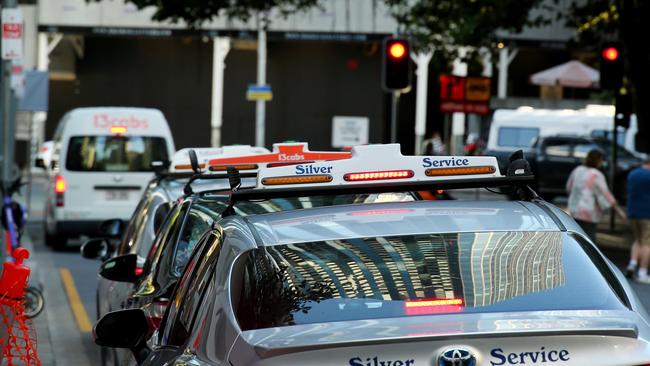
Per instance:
(181,161)
(283,153)
(378,164)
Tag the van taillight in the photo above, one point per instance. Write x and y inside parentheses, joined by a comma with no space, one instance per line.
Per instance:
(60,185)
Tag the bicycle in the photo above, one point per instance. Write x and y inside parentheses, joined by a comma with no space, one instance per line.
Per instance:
(13,219)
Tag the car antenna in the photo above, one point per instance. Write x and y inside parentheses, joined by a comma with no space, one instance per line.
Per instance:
(519,166)
(194,162)
(235,183)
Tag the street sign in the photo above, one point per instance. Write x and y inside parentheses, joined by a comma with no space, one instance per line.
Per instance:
(259,92)
(12,34)
(464,94)
(349,131)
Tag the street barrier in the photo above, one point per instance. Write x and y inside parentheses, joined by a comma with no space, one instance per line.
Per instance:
(17,336)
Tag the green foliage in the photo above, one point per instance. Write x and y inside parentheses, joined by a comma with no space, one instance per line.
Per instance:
(197,12)
(447,24)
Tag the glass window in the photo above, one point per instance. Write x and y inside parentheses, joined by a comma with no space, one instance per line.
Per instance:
(606,145)
(581,150)
(193,284)
(517,137)
(114,153)
(294,203)
(607,135)
(562,150)
(412,275)
(199,220)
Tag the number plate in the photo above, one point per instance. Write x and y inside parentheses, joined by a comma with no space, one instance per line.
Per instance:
(117,195)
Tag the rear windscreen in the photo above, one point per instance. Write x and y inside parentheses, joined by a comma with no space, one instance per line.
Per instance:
(114,153)
(414,275)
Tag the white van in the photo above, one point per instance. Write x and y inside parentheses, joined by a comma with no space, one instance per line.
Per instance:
(513,129)
(100,166)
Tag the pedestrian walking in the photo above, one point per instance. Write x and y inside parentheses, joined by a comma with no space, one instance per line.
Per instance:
(434,145)
(589,196)
(638,209)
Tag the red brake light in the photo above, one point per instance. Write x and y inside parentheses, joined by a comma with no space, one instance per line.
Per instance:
(139,271)
(434,306)
(380,175)
(60,184)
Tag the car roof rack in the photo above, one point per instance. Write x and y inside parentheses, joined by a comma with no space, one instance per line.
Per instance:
(382,168)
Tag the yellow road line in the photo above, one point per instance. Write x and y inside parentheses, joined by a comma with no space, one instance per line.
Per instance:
(75,301)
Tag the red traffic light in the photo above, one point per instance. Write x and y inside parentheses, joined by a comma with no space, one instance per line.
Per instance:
(397,50)
(610,53)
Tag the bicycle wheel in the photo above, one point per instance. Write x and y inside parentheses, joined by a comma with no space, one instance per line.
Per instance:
(34,302)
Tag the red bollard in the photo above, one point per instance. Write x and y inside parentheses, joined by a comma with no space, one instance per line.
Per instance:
(15,275)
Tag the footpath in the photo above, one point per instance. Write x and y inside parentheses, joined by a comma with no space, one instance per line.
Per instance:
(59,341)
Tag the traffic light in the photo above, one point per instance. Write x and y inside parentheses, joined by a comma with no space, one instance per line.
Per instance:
(611,66)
(396,69)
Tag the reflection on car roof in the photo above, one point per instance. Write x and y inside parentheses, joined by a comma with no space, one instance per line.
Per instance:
(399,218)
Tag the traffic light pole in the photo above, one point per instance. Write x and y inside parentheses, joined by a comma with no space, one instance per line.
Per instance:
(612,172)
(393,116)
(7,109)
(260,110)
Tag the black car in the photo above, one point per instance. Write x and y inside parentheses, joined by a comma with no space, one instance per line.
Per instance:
(553,158)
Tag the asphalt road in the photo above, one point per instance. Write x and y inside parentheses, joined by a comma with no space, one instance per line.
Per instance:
(64,336)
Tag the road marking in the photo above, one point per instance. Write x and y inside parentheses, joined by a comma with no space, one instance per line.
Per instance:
(75,301)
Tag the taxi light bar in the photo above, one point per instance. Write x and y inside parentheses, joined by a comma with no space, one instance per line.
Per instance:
(240,167)
(380,175)
(303,179)
(438,172)
(187,166)
(118,130)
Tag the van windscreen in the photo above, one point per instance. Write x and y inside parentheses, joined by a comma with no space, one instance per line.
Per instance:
(114,153)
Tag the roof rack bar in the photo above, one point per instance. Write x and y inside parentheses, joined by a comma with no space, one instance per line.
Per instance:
(492,182)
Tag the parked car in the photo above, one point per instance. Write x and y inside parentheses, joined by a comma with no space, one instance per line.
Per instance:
(391,283)
(101,163)
(552,159)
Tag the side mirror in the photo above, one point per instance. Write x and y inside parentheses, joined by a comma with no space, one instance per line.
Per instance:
(110,332)
(120,269)
(96,248)
(40,163)
(112,228)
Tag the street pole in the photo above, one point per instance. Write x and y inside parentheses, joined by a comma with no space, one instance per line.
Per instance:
(422,63)
(393,116)
(8,117)
(612,171)
(8,122)
(260,110)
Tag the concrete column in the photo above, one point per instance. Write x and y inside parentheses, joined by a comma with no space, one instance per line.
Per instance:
(220,49)
(505,58)
(421,60)
(458,119)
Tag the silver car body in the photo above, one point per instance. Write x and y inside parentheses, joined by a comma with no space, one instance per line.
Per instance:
(552,337)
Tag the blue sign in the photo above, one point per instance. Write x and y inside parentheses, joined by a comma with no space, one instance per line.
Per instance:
(259,92)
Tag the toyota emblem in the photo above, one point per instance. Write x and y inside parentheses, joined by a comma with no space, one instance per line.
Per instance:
(456,357)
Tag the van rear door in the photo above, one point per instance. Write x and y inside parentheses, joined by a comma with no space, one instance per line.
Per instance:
(106,174)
